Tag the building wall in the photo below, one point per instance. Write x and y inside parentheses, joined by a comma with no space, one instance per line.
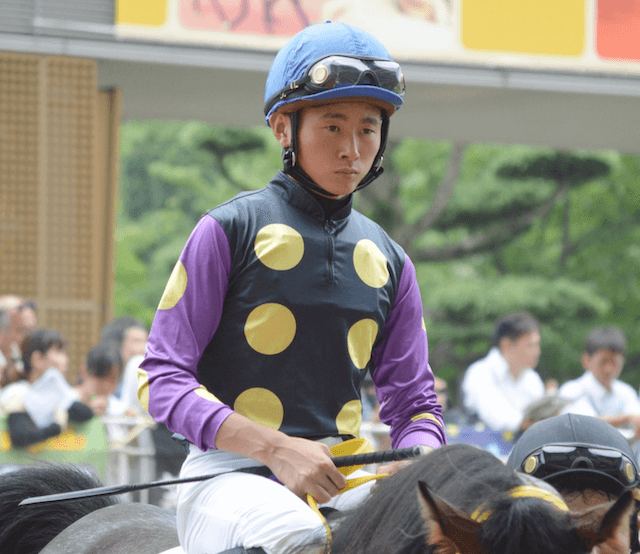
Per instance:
(58,137)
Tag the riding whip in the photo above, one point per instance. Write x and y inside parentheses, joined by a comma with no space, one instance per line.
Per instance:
(383,456)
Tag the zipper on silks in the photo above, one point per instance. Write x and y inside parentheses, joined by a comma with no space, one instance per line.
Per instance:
(327,230)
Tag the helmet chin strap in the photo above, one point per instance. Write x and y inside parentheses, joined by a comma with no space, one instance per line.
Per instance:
(293,169)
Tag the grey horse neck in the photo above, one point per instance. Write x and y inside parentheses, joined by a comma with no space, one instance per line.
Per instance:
(127,528)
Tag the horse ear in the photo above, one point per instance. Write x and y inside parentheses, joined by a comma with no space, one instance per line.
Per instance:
(608,522)
(450,528)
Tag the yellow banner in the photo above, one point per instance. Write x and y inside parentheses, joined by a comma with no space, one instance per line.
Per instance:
(571,35)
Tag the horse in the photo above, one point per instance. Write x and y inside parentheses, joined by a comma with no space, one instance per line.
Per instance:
(461,499)
(456,499)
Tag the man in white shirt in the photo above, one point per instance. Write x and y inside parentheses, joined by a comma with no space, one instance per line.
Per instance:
(599,392)
(498,388)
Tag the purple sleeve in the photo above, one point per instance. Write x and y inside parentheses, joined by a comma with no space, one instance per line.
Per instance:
(402,375)
(187,317)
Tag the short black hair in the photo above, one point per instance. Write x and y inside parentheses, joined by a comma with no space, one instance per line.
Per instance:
(117,328)
(102,357)
(605,338)
(39,340)
(513,326)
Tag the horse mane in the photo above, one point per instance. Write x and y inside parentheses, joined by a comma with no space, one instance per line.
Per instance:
(392,521)
(28,529)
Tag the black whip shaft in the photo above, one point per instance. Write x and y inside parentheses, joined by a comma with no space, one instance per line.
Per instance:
(381,457)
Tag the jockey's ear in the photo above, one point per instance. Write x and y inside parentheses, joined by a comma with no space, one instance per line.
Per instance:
(450,528)
(606,523)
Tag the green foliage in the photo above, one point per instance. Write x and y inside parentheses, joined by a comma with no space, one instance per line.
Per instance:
(553,233)
(556,166)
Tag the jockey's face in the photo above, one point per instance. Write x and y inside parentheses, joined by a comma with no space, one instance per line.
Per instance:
(337,142)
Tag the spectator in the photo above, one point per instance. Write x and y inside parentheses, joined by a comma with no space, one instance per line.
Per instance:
(99,378)
(131,336)
(17,320)
(498,388)
(587,460)
(40,404)
(599,392)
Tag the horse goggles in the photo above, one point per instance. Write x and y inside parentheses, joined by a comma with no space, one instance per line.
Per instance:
(335,71)
(552,459)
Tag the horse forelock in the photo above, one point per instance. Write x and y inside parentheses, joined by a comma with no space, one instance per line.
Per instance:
(529,524)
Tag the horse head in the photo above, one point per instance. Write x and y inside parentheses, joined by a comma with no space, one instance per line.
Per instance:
(531,517)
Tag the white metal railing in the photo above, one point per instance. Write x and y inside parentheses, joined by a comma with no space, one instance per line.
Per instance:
(131,451)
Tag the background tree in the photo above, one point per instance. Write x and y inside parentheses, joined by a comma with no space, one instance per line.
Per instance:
(171,174)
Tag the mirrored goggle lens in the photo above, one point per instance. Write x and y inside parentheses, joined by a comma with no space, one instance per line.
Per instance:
(336,71)
(554,458)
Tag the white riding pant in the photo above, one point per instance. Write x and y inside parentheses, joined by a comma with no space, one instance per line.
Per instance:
(241,509)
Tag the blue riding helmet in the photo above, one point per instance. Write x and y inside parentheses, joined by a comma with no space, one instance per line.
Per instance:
(332,61)
(381,81)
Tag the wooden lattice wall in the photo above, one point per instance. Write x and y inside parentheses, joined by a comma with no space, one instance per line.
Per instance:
(58,175)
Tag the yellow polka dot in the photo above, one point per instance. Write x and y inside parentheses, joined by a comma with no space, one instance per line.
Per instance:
(370,264)
(203,392)
(260,405)
(360,341)
(279,247)
(270,328)
(349,419)
(5,441)
(175,288)
(143,388)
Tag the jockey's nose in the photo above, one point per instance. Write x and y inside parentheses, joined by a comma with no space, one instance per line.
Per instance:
(350,148)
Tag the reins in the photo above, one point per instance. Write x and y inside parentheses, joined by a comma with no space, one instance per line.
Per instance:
(346,448)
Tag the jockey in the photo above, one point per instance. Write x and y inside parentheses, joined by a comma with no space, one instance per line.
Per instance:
(281,302)
(577,453)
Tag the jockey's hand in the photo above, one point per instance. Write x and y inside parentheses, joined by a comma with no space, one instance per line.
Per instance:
(305,467)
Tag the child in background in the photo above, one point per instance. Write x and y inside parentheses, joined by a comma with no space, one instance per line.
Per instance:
(599,392)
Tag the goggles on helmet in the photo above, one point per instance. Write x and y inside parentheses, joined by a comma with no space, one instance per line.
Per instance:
(335,71)
(552,459)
